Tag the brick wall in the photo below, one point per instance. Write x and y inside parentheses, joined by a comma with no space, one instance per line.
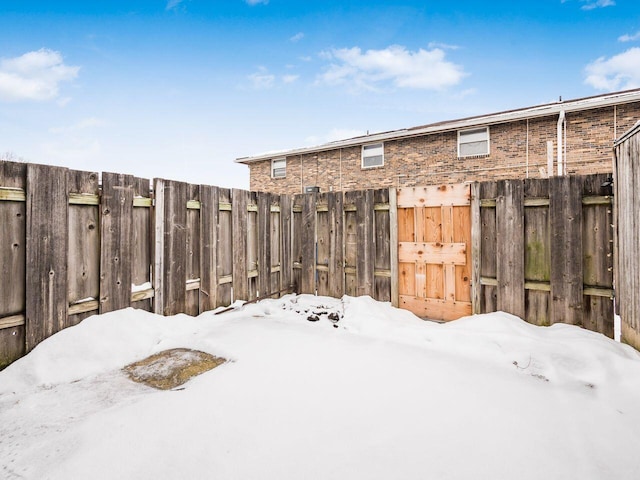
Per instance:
(517,150)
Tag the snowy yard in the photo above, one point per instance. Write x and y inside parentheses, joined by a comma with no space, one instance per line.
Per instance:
(372,393)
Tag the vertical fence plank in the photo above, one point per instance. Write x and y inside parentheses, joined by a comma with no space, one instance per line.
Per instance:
(142,243)
(275,245)
(509,241)
(476,248)
(239,202)
(175,253)
(158,248)
(336,255)
(537,251)
(264,243)
(209,214)
(286,263)
(12,263)
(393,238)
(225,248)
(597,243)
(488,259)
(192,206)
(116,241)
(253,242)
(325,249)
(46,283)
(308,235)
(83,270)
(382,244)
(366,240)
(350,244)
(565,208)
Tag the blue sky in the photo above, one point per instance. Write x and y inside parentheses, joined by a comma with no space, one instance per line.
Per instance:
(180,88)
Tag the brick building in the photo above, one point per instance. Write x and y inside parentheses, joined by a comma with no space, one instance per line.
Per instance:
(513,144)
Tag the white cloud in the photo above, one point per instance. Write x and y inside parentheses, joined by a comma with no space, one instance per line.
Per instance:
(305,58)
(629,38)
(297,37)
(262,79)
(621,71)
(443,46)
(257,2)
(424,69)
(171,4)
(290,78)
(34,76)
(590,5)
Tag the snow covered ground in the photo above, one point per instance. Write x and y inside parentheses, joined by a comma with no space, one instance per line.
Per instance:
(365,391)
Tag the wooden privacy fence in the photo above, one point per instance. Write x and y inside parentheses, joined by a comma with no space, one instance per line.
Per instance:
(627,222)
(70,247)
(543,250)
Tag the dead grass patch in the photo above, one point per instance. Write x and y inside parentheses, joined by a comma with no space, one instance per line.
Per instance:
(171,368)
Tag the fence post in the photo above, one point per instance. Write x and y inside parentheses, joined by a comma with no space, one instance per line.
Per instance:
(393,225)
(158,264)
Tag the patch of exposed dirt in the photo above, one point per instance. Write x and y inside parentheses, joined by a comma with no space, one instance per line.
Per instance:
(172,368)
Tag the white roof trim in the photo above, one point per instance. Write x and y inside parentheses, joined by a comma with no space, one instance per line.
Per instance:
(490,119)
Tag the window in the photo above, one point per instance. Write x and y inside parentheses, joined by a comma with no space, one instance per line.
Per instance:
(373,155)
(473,142)
(279,168)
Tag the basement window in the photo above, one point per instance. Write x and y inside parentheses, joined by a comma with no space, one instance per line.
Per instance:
(279,168)
(373,155)
(473,142)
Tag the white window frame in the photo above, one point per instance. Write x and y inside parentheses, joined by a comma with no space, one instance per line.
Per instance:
(477,129)
(282,161)
(378,152)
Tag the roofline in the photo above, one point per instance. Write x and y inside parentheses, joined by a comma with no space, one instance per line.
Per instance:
(585,103)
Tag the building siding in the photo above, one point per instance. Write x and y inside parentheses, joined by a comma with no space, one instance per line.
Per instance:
(518,149)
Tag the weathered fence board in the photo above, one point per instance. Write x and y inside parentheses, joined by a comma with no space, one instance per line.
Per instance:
(509,241)
(192,205)
(565,207)
(174,252)
(117,241)
(47,250)
(12,262)
(225,248)
(142,245)
(239,219)
(209,219)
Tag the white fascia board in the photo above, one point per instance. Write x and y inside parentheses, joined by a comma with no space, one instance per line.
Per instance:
(589,103)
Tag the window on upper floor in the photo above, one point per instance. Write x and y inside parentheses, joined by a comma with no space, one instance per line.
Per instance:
(473,142)
(279,168)
(373,155)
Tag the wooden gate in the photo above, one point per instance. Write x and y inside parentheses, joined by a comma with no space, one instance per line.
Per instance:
(434,251)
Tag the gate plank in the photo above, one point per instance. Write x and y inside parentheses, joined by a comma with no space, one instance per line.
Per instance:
(47,249)
(264,244)
(286,266)
(509,241)
(383,246)
(488,260)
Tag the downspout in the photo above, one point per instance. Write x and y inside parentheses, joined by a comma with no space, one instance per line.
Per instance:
(560,143)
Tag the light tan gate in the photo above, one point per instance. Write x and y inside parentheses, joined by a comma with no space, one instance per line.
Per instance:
(434,251)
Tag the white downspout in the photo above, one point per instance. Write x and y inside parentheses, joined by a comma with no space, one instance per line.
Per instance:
(560,143)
